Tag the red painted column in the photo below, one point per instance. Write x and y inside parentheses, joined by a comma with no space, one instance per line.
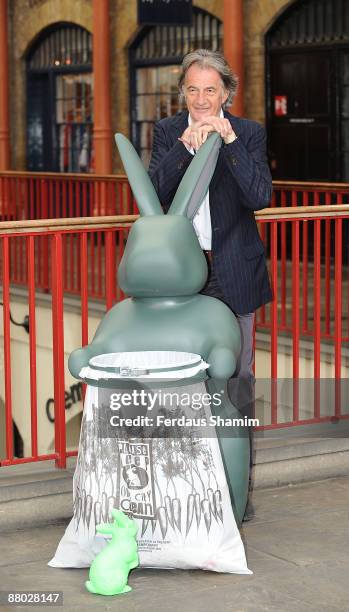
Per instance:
(101,72)
(233,45)
(4,90)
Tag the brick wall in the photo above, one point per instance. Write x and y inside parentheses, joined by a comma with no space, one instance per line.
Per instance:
(258,17)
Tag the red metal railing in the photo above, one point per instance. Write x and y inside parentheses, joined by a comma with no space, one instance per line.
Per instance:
(46,195)
(25,195)
(300,193)
(296,194)
(311,287)
(111,232)
(55,239)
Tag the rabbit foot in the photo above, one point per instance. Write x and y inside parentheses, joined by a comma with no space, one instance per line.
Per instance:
(90,587)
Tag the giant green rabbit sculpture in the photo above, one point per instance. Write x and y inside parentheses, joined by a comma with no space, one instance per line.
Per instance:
(163,269)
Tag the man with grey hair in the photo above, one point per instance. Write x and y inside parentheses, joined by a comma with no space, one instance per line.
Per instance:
(225,222)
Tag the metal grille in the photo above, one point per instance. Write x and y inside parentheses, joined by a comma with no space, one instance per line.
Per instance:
(67,46)
(313,21)
(60,101)
(164,42)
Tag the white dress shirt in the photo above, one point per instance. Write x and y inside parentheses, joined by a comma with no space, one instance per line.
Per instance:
(202,219)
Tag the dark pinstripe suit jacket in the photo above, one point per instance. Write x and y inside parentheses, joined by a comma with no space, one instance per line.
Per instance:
(241,184)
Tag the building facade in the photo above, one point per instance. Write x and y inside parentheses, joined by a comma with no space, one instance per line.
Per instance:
(65,102)
(295,79)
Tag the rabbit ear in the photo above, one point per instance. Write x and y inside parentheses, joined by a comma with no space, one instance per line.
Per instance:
(141,185)
(194,184)
(120,517)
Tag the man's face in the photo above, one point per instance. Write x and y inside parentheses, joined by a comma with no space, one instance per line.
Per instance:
(204,92)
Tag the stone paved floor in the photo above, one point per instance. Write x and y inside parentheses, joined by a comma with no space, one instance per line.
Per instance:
(297,547)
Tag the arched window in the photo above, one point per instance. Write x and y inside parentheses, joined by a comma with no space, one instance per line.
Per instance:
(308,91)
(155,59)
(60,100)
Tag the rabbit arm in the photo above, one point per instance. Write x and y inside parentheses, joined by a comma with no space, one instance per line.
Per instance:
(80,358)
(167,166)
(248,167)
(222,362)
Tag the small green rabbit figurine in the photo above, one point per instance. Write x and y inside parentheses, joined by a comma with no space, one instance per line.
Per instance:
(109,570)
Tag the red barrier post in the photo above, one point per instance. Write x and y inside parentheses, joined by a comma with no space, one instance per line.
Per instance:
(58,350)
(295,317)
(109,268)
(317,316)
(7,347)
(32,346)
(328,269)
(283,271)
(84,288)
(274,321)
(338,314)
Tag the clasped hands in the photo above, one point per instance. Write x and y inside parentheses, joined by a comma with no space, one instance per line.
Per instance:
(196,134)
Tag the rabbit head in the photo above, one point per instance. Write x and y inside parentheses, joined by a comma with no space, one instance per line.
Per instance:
(124,524)
(163,256)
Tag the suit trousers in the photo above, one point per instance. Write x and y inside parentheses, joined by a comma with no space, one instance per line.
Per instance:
(241,386)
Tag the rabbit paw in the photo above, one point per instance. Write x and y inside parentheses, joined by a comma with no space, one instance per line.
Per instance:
(222,363)
(80,358)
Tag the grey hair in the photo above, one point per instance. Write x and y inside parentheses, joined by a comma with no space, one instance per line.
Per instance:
(210,59)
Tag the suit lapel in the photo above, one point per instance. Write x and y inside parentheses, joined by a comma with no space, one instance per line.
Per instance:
(232,119)
(178,125)
(220,163)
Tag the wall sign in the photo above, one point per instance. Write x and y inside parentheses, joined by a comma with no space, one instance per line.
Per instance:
(71,397)
(168,12)
(302,120)
(280,105)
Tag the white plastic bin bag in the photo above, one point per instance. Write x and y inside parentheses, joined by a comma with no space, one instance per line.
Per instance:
(174,487)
